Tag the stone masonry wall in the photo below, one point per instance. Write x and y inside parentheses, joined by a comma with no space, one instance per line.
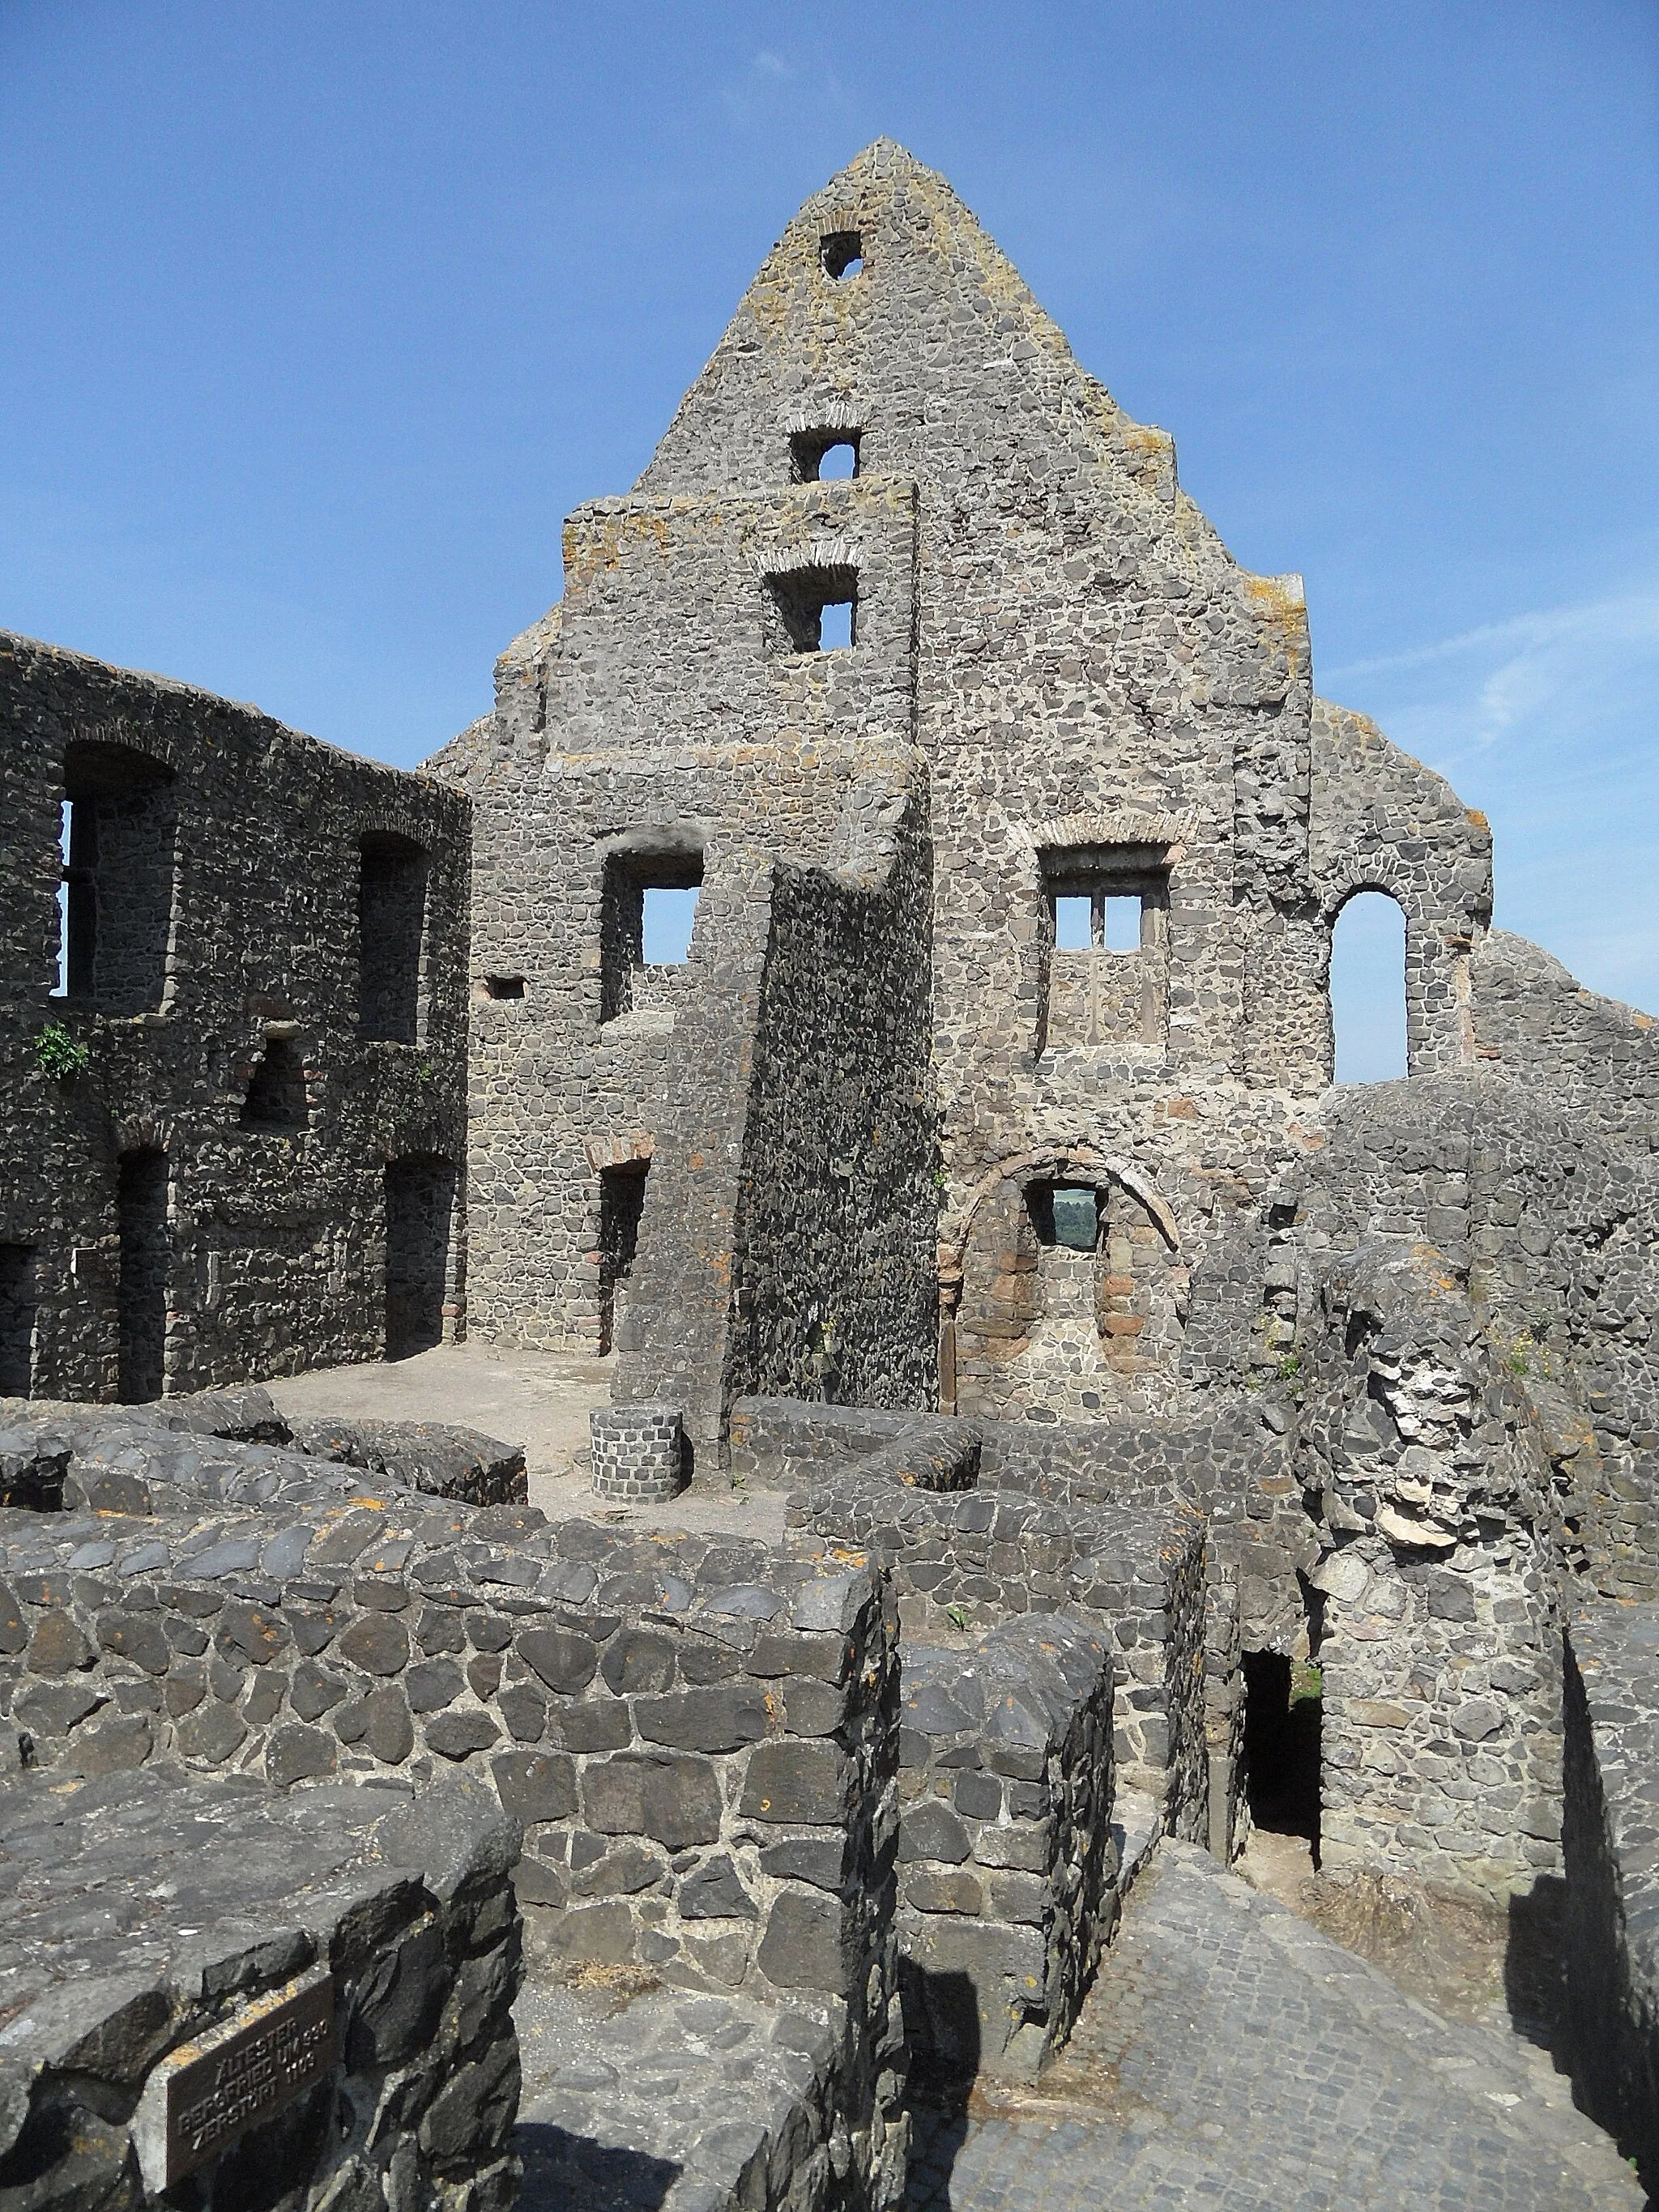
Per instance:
(1006,1860)
(268,1244)
(1612,1934)
(148,1913)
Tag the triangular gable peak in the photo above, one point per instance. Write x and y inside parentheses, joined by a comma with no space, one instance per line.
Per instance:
(887,312)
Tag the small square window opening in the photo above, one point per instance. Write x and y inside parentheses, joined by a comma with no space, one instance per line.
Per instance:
(842,253)
(816,609)
(824,456)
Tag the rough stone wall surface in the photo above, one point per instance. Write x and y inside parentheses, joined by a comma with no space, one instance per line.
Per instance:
(1006,1861)
(145,1911)
(265,1249)
(1612,1819)
(966,1560)
(699,1738)
(1437,1620)
(666,727)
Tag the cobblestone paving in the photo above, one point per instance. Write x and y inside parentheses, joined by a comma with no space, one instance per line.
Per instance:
(1231,2056)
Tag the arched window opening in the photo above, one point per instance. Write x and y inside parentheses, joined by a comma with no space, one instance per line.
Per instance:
(1368,989)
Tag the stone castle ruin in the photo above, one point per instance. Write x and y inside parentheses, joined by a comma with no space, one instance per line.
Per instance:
(972,1174)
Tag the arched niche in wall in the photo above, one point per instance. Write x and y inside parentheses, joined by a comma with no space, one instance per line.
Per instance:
(1368,988)
(1062,1293)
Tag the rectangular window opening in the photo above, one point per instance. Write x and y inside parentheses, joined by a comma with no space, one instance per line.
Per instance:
(1121,924)
(824,456)
(503,986)
(648,913)
(117,836)
(392,882)
(1065,1213)
(1074,922)
(668,912)
(816,609)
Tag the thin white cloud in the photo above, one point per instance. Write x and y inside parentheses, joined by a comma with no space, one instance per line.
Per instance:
(1531,660)
(1546,721)
(762,85)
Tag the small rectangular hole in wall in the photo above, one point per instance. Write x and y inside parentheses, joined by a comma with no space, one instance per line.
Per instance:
(842,253)
(16,1320)
(668,913)
(503,986)
(1065,1213)
(816,608)
(824,456)
(1120,931)
(1074,922)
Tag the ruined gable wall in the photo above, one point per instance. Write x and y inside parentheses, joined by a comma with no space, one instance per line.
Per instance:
(665,710)
(272,1253)
(1094,670)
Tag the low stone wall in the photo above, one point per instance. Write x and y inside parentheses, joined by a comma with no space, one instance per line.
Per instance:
(1006,1861)
(150,1916)
(1610,1827)
(699,1737)
(777,1442)
(234,1444)
(970,1560)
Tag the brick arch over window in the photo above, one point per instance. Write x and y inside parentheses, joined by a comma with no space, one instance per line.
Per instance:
(1077,1164)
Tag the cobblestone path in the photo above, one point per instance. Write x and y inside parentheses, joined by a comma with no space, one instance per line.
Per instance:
(1231,2055)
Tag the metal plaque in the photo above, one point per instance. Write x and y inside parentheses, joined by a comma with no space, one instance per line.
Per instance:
(245,2073)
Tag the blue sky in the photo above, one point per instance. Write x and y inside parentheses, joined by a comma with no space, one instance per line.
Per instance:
(318,318)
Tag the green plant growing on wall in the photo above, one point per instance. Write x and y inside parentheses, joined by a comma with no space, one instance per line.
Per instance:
(60,1056)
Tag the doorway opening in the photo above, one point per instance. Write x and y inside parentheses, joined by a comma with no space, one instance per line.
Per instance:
(142,1213)
(420,1200)
(1281,1745)
(621,1203)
